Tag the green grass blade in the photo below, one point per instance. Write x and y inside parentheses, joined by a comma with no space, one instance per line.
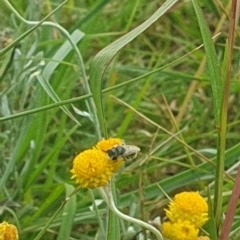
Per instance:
(212,62)
(104,57)
(217,88)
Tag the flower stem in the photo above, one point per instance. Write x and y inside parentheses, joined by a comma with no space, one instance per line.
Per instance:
(108,197)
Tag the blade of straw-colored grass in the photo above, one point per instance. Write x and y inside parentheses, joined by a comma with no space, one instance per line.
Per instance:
(67,215)
(104,57)
(201,68)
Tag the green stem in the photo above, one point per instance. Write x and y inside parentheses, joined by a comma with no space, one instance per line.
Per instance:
(108,197)
(223,122)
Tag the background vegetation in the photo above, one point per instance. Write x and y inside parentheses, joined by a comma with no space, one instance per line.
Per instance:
(165,105)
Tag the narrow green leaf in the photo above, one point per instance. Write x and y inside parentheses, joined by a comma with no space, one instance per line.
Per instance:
(217,88)
(212,62)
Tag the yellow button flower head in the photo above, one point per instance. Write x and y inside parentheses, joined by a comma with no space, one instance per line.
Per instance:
(189,206)
(8,231)
(180,230)
(92,168)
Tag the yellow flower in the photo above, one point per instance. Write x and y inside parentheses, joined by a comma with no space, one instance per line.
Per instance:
(93,168)
(189,206)
(203,238)
(180,230)
(106,145)
(8,231)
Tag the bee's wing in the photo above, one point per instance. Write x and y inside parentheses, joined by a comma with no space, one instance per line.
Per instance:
(130,150)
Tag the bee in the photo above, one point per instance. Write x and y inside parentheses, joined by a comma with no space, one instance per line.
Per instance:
(123,151)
